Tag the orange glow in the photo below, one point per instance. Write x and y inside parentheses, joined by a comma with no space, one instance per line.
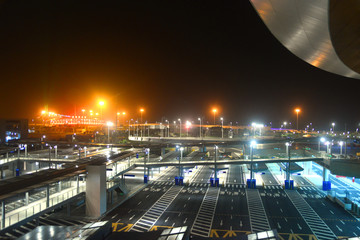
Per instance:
(91,111)
(43,112)
(141,110)
(101,103)
(214,110)
(118,113)
(83,110)
(124,113)
(297,110)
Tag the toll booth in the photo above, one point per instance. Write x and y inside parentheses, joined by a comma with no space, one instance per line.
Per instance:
(212,182)
(181,181)
(326,186)
(251,183)
(289,184)
(145,178)
(217,182)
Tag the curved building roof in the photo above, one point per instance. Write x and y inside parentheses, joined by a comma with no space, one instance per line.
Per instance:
(324,33)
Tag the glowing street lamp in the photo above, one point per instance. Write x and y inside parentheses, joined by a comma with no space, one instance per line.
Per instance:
(297,110)
(101,104)
(222,127)
(200,126)
(341,143)
(214,111)
(285,123)
(180,159)
(141,112)
(333,127)
(168,128)
(321,141)
(188,125)
(252,145)
(109,124)
(180,126)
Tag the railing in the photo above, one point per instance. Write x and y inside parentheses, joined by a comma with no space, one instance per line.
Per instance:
(40,205)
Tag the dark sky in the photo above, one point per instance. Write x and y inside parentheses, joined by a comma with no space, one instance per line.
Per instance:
(174,58)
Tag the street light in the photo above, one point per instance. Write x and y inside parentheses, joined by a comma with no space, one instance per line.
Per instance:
(341,143)
(101,104)
(333,125)
(285,124)
(297,110)
(252,145)
(168,127)
(222,127)
(109,124)
(287,144)
(188,125)
(141,111)
(180,126)
(321,141)
(200,126)
(214,111)
(180,159)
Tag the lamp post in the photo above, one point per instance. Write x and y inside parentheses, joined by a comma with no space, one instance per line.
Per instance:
(214,111)
(222,127)
(101,104)
(333,127)
(188,125)
(297,110)
(321,141)
(200,126)
(180,126)
(252,145)
(288,154)
(215,166)
(168,128)
(109,124)
(141,111)
(180,159)
(341,143)
(285,124)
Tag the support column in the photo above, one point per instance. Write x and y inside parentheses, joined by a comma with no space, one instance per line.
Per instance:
(27,198)
(2,214)
(307,168)
(326,175)
(96,190)
(47,195)
(326,180)
(78,184)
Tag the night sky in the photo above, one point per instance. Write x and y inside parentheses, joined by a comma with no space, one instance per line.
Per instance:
(177,59)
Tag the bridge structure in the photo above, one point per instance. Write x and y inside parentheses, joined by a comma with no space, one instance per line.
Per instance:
(28,196)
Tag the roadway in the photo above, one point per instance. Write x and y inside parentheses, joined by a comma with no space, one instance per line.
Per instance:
(231,210)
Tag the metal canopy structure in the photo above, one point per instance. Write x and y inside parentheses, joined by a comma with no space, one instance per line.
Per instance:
(303,27)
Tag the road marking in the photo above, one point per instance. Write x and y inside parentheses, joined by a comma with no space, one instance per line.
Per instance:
(279,226)
(156,210)
(241,224)
(257,215)
(206,211)
(299,226)
(185,220)
(338,228)
(139,203)
(330,211)
(131,217)
(312,219)
(167,219)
